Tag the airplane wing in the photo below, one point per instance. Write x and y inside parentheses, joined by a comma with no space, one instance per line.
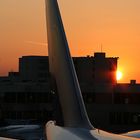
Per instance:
(2,138)
(135,134)
(55,132)
(26,132)
(76,123)
(62,70)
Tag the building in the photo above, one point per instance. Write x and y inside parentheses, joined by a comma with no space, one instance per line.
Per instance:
(96,70)
(25,100)
(94,73)
(26,94)
(111,106)
(34,68)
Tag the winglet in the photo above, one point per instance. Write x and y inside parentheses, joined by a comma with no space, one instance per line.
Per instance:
(62,70)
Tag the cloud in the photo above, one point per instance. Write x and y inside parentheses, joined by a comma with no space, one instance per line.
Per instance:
(36,43)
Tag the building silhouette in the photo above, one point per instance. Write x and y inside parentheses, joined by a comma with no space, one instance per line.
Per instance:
(96,70)
(34,68)
(26,95)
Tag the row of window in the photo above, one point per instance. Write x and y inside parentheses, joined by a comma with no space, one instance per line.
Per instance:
(124,118)
(32,115)
(29,97)
(43,97)
(127,98)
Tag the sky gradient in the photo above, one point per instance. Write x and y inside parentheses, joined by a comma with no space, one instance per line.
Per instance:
(88,23)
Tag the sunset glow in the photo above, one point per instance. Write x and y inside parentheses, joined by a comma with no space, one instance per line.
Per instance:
(119,75)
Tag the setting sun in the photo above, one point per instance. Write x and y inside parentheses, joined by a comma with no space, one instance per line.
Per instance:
(119,75)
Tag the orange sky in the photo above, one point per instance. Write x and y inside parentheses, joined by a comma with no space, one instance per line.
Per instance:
(88,24)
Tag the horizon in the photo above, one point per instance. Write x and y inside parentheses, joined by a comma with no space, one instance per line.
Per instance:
(114,25)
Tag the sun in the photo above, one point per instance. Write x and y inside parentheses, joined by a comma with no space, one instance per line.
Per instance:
(119,75)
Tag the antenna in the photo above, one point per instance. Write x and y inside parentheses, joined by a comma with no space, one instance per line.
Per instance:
(101,47)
